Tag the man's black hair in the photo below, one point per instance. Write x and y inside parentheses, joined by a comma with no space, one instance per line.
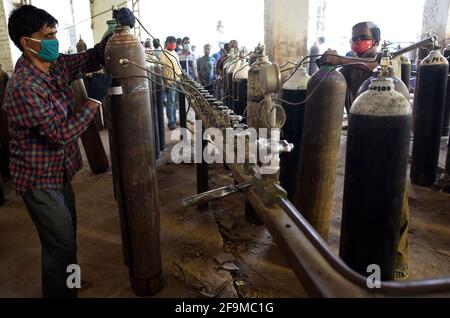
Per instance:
(156,43)
(186,38)
(376,33)
(171,39)
(226,47)
(178,40)
(26,20)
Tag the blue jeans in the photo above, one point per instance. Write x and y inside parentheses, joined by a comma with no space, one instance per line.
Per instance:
(172,106)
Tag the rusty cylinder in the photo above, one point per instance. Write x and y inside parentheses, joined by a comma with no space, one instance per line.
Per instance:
(132,122)
(92,143)
(81,46)
(429,110)
(321,136)
(379,130)
(154,106)
(5,138)
(294,92)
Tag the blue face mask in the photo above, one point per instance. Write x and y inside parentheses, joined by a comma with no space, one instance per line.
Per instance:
(49,51)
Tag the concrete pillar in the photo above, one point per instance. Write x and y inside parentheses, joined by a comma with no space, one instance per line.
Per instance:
(286,29)
(98,24)
(435,14)
(5,45)
(447,30)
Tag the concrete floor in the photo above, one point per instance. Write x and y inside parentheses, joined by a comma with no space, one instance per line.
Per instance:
(213,253)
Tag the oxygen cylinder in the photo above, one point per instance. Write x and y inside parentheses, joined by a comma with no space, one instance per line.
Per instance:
(255,95)
(322,126)
(375,178)
(240,89)
(397,67)
(447,112)
(91,140)
(254,92)
(429,110)
(399,86)
(5,138)
(132,122)
(446,51)
(406,71)
(231,69)
(81,46)
(98,118)
(293,91)
(111,25)
(446,117)
(224,79)
(92,143)
(226,89)
(153,101)
(253,57)
(422,53)
(160,107)
(447,162)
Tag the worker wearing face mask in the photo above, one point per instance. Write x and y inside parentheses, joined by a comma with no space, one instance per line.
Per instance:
(364,44)
(45,127)
(188,60)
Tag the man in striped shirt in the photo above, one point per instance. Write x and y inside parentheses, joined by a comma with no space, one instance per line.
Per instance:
(188,60)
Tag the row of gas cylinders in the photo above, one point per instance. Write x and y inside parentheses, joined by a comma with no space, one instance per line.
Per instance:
(379,131)
(380,126)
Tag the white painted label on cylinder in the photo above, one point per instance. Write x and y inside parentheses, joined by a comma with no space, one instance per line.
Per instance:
(115,90)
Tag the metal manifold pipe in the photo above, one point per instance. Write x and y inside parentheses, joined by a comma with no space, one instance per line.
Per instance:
(425,42)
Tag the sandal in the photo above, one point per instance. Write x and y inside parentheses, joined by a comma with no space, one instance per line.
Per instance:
(401,271)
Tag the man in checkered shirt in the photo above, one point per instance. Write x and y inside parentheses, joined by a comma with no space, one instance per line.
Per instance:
(44,128)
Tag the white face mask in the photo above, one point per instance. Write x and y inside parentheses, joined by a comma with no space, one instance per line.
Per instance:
(187,47)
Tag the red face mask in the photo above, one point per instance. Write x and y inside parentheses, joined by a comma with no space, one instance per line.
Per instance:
(171,46)
(362,46)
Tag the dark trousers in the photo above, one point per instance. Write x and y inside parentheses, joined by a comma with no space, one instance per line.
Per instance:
(53,213)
